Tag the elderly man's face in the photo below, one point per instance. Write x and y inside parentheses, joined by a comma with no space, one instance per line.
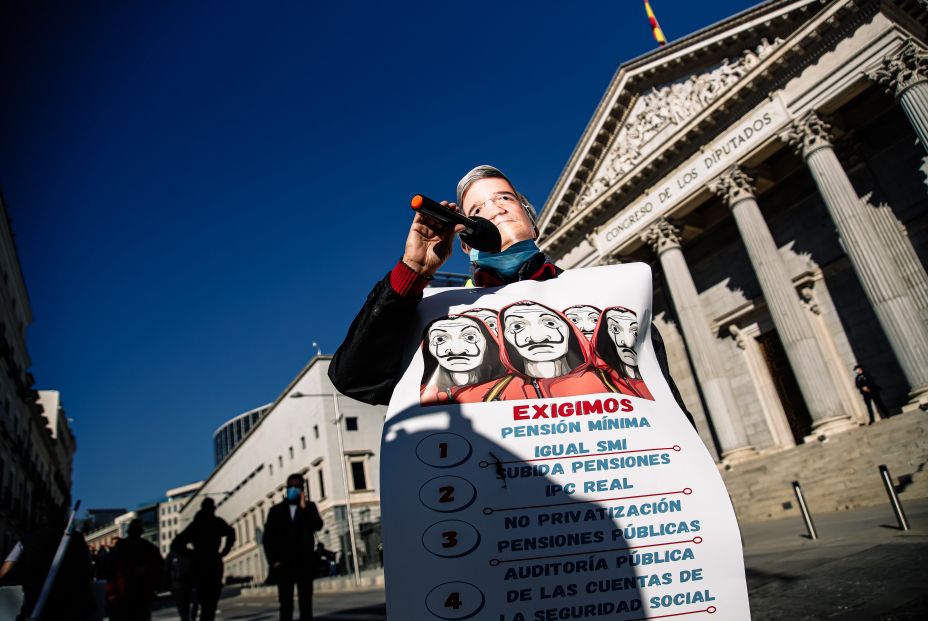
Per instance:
(584,317)
(623,330)
(495,200)
(458,344)
(486,316)
(536,332)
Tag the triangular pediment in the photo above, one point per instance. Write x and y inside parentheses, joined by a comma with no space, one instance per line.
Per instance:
(662,111)
(655,99)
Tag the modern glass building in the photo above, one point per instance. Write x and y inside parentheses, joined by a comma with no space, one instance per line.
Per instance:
(228,436)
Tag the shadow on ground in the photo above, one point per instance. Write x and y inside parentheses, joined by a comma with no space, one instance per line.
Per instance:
(364,613)
(757,578)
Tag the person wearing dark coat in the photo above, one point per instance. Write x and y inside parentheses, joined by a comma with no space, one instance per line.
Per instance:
(325,559)
(870,391)
(138,566)
(289,544)
(179,578)
(370,361)
(205,534)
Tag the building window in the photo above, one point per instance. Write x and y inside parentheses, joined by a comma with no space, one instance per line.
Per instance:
(351,423)
(321,484)
(291,452)
(270,469)
(316,431)
(303,442)
(280,461)
(358,478)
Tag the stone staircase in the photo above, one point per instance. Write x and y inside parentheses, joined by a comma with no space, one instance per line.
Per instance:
(837,474)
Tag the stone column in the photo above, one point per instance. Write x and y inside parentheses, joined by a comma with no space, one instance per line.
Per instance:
(786,311)
(894,236)
(701,345)
(905,75)
(874,264)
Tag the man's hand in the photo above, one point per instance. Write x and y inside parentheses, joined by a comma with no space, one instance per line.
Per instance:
(429,243)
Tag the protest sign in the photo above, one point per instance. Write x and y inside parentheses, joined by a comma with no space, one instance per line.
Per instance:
(536,466)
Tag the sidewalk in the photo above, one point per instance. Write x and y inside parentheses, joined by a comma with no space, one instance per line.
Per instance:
(861,567)
(370,579)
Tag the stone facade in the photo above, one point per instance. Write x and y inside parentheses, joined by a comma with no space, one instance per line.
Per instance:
(36,442)
(169,522)
(297,434)
(785,216)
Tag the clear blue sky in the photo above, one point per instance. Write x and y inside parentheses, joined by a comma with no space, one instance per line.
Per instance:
(200,190)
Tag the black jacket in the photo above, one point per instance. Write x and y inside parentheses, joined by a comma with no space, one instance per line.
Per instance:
(863,381)
(206,533)
(291,541)
(371,360)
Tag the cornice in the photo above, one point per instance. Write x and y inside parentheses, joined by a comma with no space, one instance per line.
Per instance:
(903,69)
(798,51)
(656,67)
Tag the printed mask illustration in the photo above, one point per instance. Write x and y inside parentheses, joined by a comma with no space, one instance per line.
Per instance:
(584,317)
(539,338)
(622,326)
(458,345)
(615,342)
(486,315)
(460,353)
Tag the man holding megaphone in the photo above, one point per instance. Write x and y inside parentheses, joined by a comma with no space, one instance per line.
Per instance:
(369,362)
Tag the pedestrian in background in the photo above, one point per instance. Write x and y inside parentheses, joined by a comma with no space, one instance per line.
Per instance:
(137,566)
(179,577)
(870,391)
(205,534)
(289,544)
(324,561)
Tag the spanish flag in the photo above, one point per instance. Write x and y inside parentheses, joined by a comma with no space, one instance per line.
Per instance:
(655,27)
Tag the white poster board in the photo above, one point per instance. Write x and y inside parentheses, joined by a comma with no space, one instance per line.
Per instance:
(546,472)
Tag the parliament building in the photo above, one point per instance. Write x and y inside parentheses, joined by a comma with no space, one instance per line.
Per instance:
(771,168)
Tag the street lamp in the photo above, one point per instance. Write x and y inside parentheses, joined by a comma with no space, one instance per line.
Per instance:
(341,450)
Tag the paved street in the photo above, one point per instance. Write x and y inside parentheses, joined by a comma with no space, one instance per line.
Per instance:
(862,568)
(353,606)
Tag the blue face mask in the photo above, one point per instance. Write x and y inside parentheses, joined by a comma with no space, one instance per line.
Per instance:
(293,494)
(507,262)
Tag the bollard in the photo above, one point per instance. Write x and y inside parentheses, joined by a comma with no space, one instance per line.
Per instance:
(893,498)
(805,511)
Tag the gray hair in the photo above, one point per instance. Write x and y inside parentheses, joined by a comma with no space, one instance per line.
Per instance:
(485,171)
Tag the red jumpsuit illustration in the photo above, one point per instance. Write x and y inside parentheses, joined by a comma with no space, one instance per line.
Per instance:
(461,358)
(614,351)
(545,356)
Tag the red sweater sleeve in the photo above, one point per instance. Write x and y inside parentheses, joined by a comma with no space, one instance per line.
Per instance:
(405,281)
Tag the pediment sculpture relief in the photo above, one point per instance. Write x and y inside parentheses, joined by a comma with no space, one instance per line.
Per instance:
(663,110)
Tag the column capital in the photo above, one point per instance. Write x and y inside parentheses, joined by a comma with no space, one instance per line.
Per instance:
(612,258)
(732,186)
(661,236)
(807,134)
(906,67)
